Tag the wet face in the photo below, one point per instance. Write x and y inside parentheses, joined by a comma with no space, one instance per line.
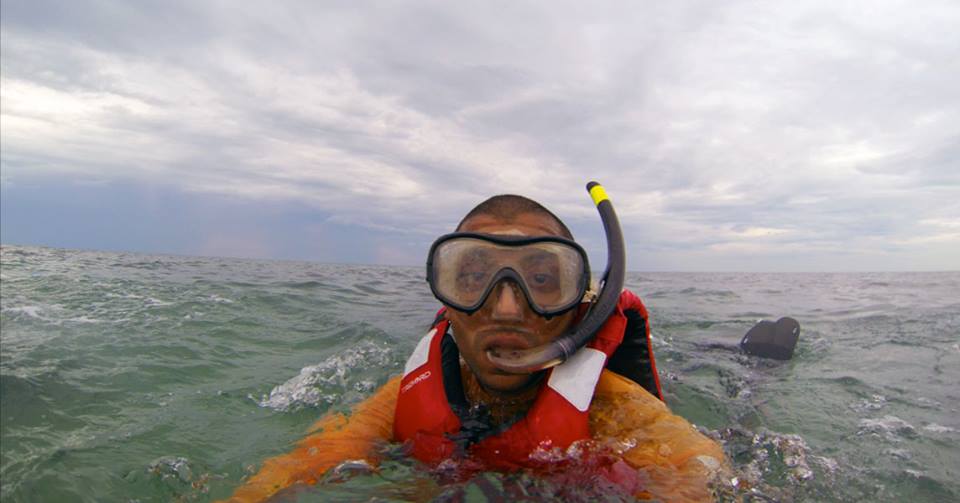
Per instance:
(505,320)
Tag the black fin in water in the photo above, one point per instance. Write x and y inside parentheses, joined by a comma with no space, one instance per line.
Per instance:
(772,340)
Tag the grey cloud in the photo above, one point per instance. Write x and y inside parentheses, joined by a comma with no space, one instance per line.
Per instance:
(113,26)
(710,121)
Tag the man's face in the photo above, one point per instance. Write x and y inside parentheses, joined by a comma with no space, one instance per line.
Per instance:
(505,320)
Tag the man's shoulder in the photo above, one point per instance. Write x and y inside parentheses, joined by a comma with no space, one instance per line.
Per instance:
(617,396)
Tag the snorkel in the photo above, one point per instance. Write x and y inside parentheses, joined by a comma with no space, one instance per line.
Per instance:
(525,361)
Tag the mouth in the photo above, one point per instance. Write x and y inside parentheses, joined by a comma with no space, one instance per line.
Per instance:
(505,341)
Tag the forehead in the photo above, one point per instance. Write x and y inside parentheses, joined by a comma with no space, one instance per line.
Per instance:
(523,224)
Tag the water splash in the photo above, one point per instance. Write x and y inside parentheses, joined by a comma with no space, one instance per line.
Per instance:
(771,466)
(177,476)
(890,428)
(936,428)
(326,382)
(875,402)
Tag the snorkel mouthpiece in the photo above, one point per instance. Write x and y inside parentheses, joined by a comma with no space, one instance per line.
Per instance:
(556,352)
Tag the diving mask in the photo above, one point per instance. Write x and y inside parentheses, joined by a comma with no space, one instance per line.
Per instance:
(464,267)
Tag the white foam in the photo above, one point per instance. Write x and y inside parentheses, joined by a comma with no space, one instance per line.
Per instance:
(84,319)
(875,402)
(936,428)
(898,453)
(928,403)
(219,300)
(113,295)
(889,427)
(914,473)
(326,382)
(765,447)
(167,467)
(31,311)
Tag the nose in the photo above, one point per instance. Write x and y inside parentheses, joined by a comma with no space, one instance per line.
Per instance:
(507,306)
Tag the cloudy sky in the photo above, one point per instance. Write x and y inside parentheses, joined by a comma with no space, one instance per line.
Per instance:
(735,135)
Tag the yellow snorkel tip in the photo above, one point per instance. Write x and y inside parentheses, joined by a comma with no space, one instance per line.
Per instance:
(597,193)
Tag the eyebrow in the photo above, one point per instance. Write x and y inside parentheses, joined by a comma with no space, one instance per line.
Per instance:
(540,256)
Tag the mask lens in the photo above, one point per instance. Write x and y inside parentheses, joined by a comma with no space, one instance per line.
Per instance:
(465,267)
(462,269)
(551,273)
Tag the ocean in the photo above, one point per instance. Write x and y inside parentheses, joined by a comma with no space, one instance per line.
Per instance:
(140,378)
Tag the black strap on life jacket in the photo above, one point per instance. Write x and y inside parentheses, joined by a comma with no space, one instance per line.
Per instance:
(452,382)
(476,423)
(633,358)
(450,364)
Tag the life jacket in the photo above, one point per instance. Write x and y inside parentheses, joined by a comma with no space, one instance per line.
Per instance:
(432,410)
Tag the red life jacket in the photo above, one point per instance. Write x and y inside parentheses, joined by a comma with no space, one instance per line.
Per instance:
(559,415)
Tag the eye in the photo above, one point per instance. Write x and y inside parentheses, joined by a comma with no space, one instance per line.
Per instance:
(471,280)
(541,278)
(542,281)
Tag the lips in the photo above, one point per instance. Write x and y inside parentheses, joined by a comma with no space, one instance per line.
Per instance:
(501,341)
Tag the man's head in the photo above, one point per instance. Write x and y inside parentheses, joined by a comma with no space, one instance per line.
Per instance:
(506,319)
(506,206)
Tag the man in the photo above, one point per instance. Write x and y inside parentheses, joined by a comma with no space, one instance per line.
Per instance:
(512,278)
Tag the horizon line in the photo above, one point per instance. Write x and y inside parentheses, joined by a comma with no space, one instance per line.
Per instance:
(309,261)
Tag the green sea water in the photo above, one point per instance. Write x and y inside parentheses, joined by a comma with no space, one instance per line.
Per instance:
(128,377)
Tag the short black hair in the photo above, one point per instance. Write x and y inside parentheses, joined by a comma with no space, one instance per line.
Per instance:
(505,206)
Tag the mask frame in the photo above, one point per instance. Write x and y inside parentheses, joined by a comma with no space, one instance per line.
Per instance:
(509,273)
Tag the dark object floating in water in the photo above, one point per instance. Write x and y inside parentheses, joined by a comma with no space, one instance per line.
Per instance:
(772,340)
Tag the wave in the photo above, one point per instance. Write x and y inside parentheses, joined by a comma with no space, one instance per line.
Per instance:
(326,382)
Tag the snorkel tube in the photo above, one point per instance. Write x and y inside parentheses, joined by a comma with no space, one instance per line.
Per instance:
(556,352)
